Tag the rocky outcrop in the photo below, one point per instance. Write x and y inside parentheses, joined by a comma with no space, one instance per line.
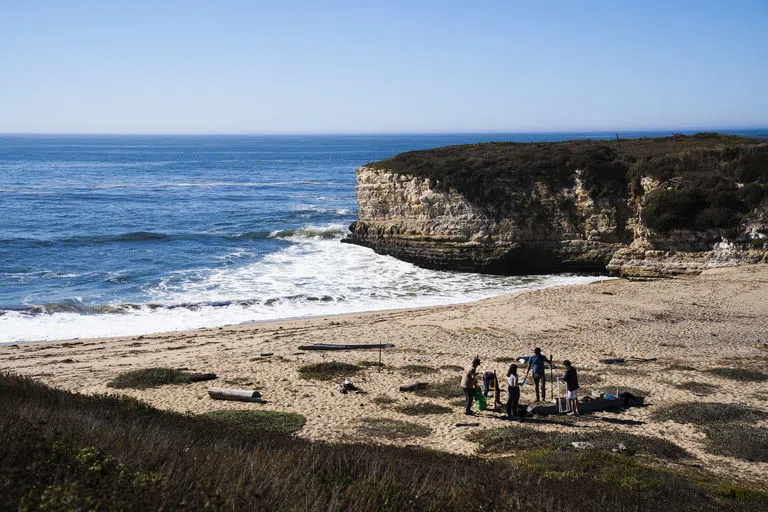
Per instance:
(542,230)
(546,225)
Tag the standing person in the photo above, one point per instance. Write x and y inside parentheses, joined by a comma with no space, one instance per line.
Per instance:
(468,383)
(513,392)
(537,362)
(572,386)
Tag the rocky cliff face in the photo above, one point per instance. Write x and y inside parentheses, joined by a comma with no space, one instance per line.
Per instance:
(540,228)
(541,231)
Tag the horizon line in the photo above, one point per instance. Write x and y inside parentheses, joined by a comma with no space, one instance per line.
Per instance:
(720,129)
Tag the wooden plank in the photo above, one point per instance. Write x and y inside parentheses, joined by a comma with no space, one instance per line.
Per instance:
(328,346)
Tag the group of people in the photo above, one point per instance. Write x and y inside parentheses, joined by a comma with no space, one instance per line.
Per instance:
(536,364)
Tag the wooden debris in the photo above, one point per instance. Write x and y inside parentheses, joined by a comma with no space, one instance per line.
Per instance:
(238,395)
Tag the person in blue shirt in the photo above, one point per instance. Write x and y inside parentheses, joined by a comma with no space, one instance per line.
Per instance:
(536,363)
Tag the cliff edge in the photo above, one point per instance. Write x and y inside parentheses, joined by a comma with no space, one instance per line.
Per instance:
(635,208)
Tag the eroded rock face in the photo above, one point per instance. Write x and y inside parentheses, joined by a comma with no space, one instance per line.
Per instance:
(538,231)
(687,252)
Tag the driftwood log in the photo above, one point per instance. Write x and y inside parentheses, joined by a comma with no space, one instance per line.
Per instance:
(200,377)
(329,346)
(239,395)
(414,386)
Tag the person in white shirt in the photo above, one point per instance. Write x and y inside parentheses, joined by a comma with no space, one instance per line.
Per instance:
(513,392)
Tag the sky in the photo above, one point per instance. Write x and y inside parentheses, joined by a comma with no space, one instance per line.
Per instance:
(381,66)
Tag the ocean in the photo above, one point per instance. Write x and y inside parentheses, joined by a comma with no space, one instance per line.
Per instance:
(126,235)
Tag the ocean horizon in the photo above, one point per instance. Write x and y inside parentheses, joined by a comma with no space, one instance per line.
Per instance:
(118,235)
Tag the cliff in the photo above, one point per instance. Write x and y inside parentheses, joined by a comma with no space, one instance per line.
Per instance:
(636,208)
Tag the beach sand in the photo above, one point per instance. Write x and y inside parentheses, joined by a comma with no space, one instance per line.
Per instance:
(717,319)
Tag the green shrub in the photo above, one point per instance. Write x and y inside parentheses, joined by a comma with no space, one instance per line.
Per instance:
(149,378)
(328,371)
(257,422)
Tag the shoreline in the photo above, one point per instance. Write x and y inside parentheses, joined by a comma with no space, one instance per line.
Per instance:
(690,324)
(597,278)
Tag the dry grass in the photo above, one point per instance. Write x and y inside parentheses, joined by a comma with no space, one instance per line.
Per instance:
(368,364)
(149,378)
(739,374)
(417,369)
(399,430)
(704,413)
(743,441)
(258,422)
(423,409)
(384,400)
(449,388)
(328,371)
(520,438)
(699,388)
(63,451)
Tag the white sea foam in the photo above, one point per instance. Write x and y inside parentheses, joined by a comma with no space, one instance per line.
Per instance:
(315,275)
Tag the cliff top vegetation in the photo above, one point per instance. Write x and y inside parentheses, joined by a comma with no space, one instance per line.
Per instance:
(712,178)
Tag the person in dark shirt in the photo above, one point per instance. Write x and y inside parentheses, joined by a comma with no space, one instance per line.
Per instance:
(513,392)
(572,387)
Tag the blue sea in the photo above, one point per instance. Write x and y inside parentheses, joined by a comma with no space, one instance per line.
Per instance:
(125,235)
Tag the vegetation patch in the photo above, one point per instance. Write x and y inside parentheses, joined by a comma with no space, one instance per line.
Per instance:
(368,364)
(149,378)
(449,388)
(384,400)
(451,367)
(521,438)
(61,452)
(328,371)
(700,388)
(609,468)
(392,429)
(423,409)
(681,367)
(417,369)
(506,359)
(257,422)
(742,441)
(740,374)
(705,413)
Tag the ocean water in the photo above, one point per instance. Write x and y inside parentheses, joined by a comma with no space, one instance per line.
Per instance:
(123,235)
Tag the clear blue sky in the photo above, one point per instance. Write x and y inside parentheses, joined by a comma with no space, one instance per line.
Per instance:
(397,66)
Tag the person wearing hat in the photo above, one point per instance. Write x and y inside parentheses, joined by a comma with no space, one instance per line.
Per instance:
(468,383)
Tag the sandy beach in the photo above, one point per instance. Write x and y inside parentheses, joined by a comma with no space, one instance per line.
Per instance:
(718,319)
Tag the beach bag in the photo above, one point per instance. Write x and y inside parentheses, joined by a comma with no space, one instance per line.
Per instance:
(482,404)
